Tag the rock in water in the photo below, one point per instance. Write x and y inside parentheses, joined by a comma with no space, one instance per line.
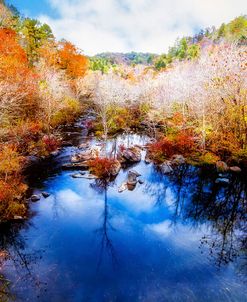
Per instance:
(222,181)
(132,177)
(35,198)
(123,187)
(45,194)
(132,155)
(166,167)
(115,169)
(131,182)
(79,175)
(235,169)
(221,166)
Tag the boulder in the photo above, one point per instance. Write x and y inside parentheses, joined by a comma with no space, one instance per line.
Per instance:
(123,187)
(78,175)
(55,153)
(221,166)
(35,198)
(85,155)
(72,166)
(166,167)
(132,155)
(17,217)
(115,169)
(147,159)
(235,169)
(131,181)
(177,159)
(83,146)
(89,176)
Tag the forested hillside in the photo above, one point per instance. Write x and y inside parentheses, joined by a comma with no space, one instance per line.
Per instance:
(191,100)
(37,94)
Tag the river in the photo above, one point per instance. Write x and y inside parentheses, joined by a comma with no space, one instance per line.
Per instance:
(178,237)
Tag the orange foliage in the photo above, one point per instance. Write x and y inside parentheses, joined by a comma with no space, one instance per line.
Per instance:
(14,69)
(184,143)
(102,167)
(71,60)
(161,150)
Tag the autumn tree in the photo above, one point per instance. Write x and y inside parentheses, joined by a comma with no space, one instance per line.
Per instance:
(18,84)
(71,60)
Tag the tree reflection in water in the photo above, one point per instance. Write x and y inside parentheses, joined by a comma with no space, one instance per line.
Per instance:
(12,245)
(106,244)
(200,200)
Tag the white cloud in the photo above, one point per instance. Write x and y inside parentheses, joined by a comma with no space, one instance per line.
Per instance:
(139,25)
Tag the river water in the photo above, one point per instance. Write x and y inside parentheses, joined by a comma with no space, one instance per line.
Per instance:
(177,237)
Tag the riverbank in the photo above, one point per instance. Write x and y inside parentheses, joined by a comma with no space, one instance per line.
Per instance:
(96,161)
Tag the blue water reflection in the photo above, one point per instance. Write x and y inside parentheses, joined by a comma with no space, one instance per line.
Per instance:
(168,240)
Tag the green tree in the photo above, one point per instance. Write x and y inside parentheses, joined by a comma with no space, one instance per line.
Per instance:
(193,51)
(35,35)
(238,28)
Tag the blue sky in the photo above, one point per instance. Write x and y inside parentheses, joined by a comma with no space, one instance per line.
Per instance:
(125,25)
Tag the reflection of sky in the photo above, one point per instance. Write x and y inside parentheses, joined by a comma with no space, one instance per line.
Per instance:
(157,255)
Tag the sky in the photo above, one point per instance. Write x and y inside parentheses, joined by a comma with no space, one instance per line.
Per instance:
(97,26)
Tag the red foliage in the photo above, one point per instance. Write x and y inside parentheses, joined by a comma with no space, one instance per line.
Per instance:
(102,166)
(162,149)
(184,143)
(51,143)
(5,191)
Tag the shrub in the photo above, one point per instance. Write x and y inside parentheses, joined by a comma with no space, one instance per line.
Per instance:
(11,193)
(71,108)
(184,143)
(102,166)
(161,150)
(208,158)
(10,161)
(51,143)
